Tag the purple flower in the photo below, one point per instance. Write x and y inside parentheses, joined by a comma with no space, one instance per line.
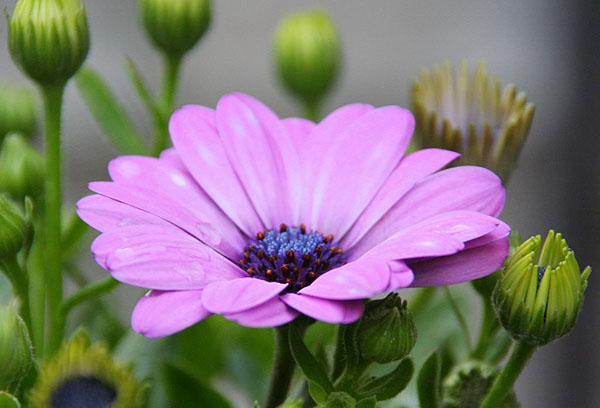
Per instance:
(261,219)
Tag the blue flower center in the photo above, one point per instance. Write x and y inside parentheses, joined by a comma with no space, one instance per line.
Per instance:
(291,255)
(84,391)
(541,272)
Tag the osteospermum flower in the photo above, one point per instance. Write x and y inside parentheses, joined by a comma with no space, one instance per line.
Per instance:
(261,219)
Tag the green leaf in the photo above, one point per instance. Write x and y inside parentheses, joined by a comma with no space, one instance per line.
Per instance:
(317,393)
(109,114)
(8,401)
(186,391)
(389,385)
(428,382)
(142,89)
(307,362)
(367,403)
(255,405)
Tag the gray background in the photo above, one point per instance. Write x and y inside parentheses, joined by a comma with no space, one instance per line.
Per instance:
(547,48)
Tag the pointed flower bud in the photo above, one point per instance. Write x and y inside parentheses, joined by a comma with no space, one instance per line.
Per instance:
(48,39)
(307,54)
(472,115)
(540,291)
(387,331)
(83,372)
(17,110)
(21,169)
(13,229)
(175,26)
(16,353)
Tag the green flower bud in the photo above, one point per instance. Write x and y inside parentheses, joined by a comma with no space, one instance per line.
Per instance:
(21,169)
(387,331)
(468,383)
(14,229)
(540,291)
(81,371)
(473,116)
(307,54)
(17,110)
(48,39)
(16,353)
(175,26)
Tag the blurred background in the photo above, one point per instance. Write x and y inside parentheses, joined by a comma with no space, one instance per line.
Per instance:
(549,49)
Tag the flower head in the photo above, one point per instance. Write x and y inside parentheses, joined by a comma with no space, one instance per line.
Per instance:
(262,219)
(471,115)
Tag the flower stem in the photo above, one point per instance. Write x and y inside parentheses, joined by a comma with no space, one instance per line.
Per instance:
(172,65)
(489,324)
(312,111)
(19,281)
(53,97)
(283,368)
(504,383)
(421,300)
(459,316)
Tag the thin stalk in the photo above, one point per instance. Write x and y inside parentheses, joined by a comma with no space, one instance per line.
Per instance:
(312,111)
(521,353)
(172,65)
(459,316)
(283,368)
(53,97)
(421,300)
(20,284)
(489,324)
(37,288)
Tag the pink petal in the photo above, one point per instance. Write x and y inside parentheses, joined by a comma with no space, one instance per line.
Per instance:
(473,263)
(103,213)
(171,182)
(159,313)
(160,257)
(401,276)
(416,245)
(359,279)
(350,167)
(173,210)
(411,169)
(270,314)
(237,295)
(194,133)
(330,311)
(262,155)
(459,188)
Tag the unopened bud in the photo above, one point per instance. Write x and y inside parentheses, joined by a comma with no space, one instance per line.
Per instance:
(17,110)
(540,291)
(21,169)
(16,353)
(14,229)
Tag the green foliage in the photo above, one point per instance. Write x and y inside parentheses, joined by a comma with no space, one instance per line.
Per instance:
(428,382)
(388,385)
(307,362)
(8,401)
(184,390)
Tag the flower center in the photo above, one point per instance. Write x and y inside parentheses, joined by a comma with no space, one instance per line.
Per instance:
(291,255)
(84,391)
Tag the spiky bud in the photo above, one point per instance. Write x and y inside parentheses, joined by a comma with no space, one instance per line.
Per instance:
(472,115)
(48,39)
(21,169)
(175,26)
(17,110)
(14,229)
(307,54)
(540,291)
(387,331)
(16,353)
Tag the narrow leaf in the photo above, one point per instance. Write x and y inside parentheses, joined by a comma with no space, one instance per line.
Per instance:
(8,401)
(307,362)
(389,385)
(142,88)
(367,403)
(317,393)
(111,117)
(186,391)
(428,382)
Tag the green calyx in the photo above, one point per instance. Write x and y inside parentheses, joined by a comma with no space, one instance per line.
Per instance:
(14,229)
(307,54)
(21,168)
(48,39)
(540,291)
(175,26)
(16,351)
(80,367)
(17,110)
(387,331)
(472,115)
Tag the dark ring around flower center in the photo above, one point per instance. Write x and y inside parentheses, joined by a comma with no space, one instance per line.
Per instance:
(291,255)
(83,392)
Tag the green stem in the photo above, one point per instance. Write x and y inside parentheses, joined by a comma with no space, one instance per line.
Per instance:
(312,111)
(459,316)
(489,324)
(87,292)
(37,288)
(53,97)
(172,65)
(504,383)
(20,283)
(283,369)
(421,300)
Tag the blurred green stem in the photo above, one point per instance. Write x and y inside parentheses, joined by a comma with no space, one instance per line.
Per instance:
(521,353)
(459,316)
(172,65)
(19,281)
(283,368)
(489,325)
(53,98)
(312,111)
(421,300)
